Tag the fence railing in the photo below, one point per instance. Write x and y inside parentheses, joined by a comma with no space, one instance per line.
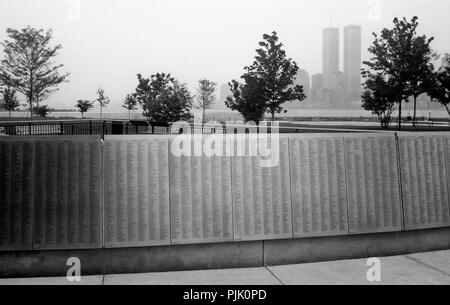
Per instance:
(102,128)
(135,127)
(91,127)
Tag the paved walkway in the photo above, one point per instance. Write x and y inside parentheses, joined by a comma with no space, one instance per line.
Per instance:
(422,268)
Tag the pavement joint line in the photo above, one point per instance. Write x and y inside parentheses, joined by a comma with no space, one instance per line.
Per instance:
(427,265)
(273,274)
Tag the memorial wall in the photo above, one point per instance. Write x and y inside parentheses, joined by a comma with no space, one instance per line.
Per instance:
(200,194)
(67,193)
(261,195)
(424,172)
(136,171)
(16,194)
(319,198)
(138,191)
(50,193)
(373,185)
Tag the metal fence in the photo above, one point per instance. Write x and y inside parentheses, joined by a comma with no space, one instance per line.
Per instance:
(102,128)
(108,127)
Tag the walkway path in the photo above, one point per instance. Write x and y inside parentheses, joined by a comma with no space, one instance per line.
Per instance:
(422,268)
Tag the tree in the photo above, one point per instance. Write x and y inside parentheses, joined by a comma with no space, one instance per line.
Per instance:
(42,110)
(130,104)
(84,106)
(102,100)
(439,91)
(247,99)
(378,97)
(163,98)
(420,67)
(277,74)
(28,64)
(10,101)
(404,59)
(205,95)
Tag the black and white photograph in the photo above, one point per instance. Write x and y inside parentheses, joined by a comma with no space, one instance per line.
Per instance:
(224,148)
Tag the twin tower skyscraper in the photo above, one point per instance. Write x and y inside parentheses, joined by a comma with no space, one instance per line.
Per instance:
(341,87)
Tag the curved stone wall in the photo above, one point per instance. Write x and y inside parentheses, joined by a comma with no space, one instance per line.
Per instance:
(134,191)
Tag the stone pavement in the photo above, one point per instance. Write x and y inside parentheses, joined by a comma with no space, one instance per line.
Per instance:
(423,268)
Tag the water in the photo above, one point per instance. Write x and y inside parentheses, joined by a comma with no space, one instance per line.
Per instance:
(224,115)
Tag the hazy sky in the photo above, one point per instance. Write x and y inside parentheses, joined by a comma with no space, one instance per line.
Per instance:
(107,42)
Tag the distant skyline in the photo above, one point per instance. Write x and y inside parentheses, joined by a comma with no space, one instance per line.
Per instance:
(352,61)
(107,42)
(331,56)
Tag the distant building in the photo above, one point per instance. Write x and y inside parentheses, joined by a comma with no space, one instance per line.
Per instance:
(301,79)
(337,81)
(334,96)
(352,62)
(316,89)
(330,55)
(224,93)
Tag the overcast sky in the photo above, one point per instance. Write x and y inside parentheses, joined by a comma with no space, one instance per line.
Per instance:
(107,42)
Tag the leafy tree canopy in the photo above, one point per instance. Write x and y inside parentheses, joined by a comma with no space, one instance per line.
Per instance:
(379,97)
(42,110)
(163,98)
(84,106)
(28,65)
(404,58)
(247,99)
(275,73)
(9,100)
(205,95)
(130,103)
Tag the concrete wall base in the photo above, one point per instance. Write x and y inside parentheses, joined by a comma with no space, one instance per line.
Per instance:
(225,255)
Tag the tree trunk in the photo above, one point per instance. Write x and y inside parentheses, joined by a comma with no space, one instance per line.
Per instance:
(9,113)
(400,116)
(204,115)
(448,109)
(415,107)
(31,109)
(129,115)
(380,118)
(31,93)
(273,115)
(101,112)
